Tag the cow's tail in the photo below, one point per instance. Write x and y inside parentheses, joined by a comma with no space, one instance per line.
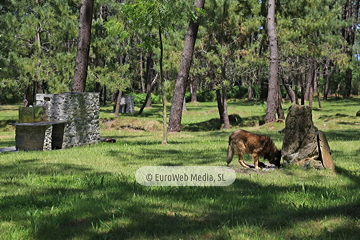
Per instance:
(230,152)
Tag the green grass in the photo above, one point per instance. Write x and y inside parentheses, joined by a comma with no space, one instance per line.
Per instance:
(90,192)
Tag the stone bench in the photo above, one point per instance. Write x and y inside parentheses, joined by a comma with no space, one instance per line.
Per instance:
(39,135)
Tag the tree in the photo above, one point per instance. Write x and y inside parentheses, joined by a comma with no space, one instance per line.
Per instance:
(152,19)
(310,41)
(272,99)
(223,38)
(38,41)
(37,46)
(149,82)
(83,48)
(183,74)
(350,12)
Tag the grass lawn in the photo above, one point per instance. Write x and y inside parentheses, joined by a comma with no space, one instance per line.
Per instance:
(90,192)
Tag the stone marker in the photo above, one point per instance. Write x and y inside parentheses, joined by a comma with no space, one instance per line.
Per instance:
(325,152)
(303,143)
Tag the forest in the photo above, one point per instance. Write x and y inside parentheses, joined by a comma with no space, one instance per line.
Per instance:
(137,47)
(255,58)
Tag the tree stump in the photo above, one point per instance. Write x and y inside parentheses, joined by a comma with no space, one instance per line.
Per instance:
(303,143)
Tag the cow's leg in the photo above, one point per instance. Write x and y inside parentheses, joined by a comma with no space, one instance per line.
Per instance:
(240,149)
(241,161)
(256,160)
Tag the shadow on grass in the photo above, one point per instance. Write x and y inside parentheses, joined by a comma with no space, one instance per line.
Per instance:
(6,123)
(74,202)
(172,157)
(209,125)
(166,212)
(7,144)
(216,123)
(345,135)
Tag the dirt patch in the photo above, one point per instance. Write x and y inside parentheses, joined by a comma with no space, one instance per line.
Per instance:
(130,124)
(265,169)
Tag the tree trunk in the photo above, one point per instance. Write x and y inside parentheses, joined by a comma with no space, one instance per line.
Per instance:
(165,128)
(183,74)
(318,98)
(40,86)
(28,96)
(250,96)
(327,77)
(193,90)
(348,80)
(264,89)
(350,10)
(149,69)
(272,99)
(219,104)
(310,82)
(225,112)
(184,105)
(279,110)
(103,96)
(301,77)
(142,72)
(148,95)
(288,87)
(83,47)
(117,105)
(97,87)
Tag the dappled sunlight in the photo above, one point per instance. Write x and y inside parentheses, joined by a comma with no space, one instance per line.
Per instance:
(90,192)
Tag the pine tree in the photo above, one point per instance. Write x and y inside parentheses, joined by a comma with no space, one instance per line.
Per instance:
(181,81)
(83,48)
(272,100)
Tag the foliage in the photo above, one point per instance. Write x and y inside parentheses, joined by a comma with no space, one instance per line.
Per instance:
(38,44)
(139,98)
(31,33)
(206,96)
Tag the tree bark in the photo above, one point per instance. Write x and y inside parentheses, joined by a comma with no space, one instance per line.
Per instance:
(219,104)
(302,91)
(183,74)
(289,91)
(83,47)
(165,127)
(350,10)
(28,96)
(225,112)
(250,96)
(148,94)
(117,105)
(141,72)
(103,96)
(310,82)
(149,69)
(193,90)
(327,74)
(272,99)
(279,110)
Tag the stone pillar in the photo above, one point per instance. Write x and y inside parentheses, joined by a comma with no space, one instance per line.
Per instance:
(129,104)
(301,143)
